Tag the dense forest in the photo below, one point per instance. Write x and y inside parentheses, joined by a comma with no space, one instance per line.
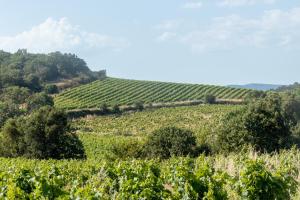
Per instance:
(28,80)
(33,71)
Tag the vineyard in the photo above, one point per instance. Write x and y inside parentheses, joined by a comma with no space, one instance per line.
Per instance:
(106,175)
(113,91)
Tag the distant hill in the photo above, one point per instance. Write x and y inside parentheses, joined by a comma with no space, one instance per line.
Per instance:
(33,71)
(257,86)
(113,91)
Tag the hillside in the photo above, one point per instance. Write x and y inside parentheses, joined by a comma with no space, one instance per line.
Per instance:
(125,92)
(34,71)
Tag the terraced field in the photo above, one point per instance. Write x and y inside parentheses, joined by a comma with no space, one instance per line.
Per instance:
(125,92)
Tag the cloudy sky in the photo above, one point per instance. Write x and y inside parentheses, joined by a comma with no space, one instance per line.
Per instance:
(197,41)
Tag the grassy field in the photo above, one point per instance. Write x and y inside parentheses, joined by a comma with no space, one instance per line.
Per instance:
(125,92)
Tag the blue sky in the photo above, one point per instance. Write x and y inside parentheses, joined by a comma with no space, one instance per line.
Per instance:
(198,41)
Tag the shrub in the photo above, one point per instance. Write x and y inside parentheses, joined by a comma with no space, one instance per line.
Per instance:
(261,124)
(128,149)
(189,180)
(139,105)
(209,99)
(43,134)
(50,89)
(116,109)
(8,110)
(104,108)
(39,100)
(256,182)
(170,141)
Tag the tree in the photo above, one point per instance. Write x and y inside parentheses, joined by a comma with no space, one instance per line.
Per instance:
(15,94)
(116,109)
(209,99)
(44,134)
(50,89)
(8,110)
(39,100)
(139,105)
(170,141)
(262,124)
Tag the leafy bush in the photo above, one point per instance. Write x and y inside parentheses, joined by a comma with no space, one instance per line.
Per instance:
(170,141)
(128,149)
(262,124)
(8,110)
(43,134)
(116,109)
(256,182)
(209,99)
(189,180)
(50,89)
(104,108)
(39,100)
(139,105)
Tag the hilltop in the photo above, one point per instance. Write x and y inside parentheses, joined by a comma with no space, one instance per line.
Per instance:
(34,71)
(112,91)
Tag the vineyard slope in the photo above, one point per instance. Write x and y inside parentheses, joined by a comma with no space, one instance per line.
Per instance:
(113,91)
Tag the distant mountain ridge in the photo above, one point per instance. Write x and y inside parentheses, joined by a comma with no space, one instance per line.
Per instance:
(257,86)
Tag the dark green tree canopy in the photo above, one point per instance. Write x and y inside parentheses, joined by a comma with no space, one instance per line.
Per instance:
(33,70)
(43,134)
(266,124)
(170,141)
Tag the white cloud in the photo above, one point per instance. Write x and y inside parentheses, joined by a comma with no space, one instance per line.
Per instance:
(193,4)
(60,35)
(275,28)
(233,3)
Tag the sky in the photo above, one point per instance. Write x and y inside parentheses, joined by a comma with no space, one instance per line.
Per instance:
(194,41)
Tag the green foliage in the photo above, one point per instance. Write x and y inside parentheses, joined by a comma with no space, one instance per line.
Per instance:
(39,100)
(180,178)
(8,110)
(116,109)
(170,141)
(32,70)
(44,134)
(139,105)
(254,95)
(262,125)
(128,149)
(209,99)
(256,182)
(189,180)
(104,108)
(127,92)
(50,89)
(14,94)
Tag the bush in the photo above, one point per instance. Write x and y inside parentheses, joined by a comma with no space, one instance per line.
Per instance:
(139,105)
(209,99)
(39,100)
(261,124)
(128,149)
(8,110)
(43,134)
(50,89)
(116,109)
(104,108)
(170,141)
(256,182)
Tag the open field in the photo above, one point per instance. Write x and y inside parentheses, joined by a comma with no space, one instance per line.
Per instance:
(113,91)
